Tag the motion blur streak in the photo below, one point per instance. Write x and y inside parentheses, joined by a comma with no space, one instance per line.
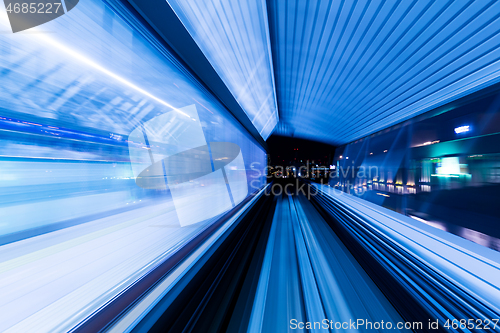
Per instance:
(358,67)
(133,172)
(241,58)
(426,169)
(423,257)
(308,275)
(76,230)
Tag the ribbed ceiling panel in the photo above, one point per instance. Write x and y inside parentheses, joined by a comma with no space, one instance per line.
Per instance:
(234,36)
(346,69)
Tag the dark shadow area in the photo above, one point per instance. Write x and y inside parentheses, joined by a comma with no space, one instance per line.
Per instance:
(287,151)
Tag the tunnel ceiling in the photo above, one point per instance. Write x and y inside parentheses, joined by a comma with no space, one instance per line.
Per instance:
(346,69)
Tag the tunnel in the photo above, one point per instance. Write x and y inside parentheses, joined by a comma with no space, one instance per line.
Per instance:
(249,166)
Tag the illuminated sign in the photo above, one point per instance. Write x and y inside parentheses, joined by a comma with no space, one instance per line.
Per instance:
(448,166)
(462,129)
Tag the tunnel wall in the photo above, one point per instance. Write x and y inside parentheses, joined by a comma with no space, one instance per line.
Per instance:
(75,92)
(441,168)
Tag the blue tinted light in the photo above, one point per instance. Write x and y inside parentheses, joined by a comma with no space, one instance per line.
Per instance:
(358,67)
(462,129)
(234,37)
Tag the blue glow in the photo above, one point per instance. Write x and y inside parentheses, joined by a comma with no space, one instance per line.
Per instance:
(462,129)
(75,226)
(234,36)
(349,69)
(457,262)
(325,279)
